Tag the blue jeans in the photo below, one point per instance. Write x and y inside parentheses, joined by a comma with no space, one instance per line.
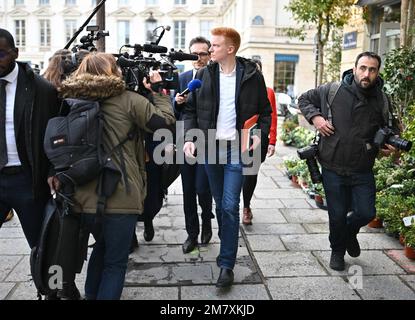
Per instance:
(344,194)
(225,182)
(16,192)
(108,262)
(195,182)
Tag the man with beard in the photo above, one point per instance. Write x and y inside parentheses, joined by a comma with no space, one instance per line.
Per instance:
(347,125)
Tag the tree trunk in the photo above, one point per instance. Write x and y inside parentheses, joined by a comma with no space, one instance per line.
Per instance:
(320,62)
(404,22)
(101,24)
(410,24)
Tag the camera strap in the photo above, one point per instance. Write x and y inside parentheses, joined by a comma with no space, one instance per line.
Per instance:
(334,88)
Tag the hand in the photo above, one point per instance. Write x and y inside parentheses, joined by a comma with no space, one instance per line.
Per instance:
(189,149)
(323,126)
(180,99)
(256,141)
(386,152)
(271,150)
(54,184)
(154,78)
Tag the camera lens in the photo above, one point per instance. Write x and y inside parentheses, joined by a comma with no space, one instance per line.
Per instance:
(399,143)
(314,170)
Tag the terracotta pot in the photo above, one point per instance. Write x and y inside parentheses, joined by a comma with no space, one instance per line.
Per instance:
(375,223)
(318,198)
(294,180)
(409,252)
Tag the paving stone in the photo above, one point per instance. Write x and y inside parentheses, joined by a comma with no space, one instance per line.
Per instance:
(306,242)
(410,280)
(275,228)
(311,288)
(399,257)
(24,291)
(147,274)
(14,246)
(266,183)
(11,233)
(5,289)
(385,288)
(272,172)
(265,243)
(266,204)
(150,293)
(375,241)
(267,216)
(305,215)
(236,292)
(280,194)
(372,230)
(21,272)
(244,271)
(296,203)
(372,262)
(316,227)
(8,263)
(288,264)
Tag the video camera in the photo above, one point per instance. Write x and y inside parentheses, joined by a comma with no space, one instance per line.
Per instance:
(387,136)
(88,40)
(137,66)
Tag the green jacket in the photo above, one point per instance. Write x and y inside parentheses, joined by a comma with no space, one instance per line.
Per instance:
(122,110)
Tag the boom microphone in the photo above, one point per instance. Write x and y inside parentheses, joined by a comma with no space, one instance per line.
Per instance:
(192,86)
(151,48)
(180,56)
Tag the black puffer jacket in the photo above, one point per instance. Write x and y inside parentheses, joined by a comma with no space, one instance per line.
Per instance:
(202,107)
(357,115)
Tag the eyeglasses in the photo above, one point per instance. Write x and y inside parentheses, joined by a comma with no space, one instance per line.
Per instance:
(201,54)
(4,54)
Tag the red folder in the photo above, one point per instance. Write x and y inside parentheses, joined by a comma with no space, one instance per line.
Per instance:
(247,131)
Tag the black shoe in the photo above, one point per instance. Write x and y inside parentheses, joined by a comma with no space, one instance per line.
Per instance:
(206,231)
(69,292)
(148,230)
(52,296)
(189,245)
(353,247)
(337,261)
(225,278)
(134,243)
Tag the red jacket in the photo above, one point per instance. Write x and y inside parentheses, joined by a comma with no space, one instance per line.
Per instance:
(273,129)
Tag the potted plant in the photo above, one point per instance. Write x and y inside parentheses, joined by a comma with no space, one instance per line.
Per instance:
(409,235)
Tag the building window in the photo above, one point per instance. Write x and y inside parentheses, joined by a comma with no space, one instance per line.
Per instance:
(208,1)
(70,29)
(180,2)
(123,33)
(18,2)
(44,33)
(258,21)
(20,31)
(123,3)
(152,2)
(70,2)
(151,24)
(205,27)
(43,2)
(180,34)
(284,72)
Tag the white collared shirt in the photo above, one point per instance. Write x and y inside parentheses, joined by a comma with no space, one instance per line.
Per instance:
(12,154)
(226,123)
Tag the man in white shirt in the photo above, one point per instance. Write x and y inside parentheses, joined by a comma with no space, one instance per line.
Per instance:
(233,91)
(27,102)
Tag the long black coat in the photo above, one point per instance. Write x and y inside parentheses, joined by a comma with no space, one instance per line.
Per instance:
(36,102)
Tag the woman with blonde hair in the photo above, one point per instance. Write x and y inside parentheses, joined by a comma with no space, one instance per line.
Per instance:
(98,78)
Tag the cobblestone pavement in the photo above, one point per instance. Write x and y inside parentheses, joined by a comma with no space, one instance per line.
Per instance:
(283,255)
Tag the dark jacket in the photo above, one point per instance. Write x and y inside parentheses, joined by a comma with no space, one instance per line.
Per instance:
(35,103)
(357,116)
(202,107)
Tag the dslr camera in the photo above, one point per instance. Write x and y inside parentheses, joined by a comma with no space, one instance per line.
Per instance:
(309,154)
(387,136)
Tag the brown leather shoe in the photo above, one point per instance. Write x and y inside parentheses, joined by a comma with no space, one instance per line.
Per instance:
(9,216)
(247,216)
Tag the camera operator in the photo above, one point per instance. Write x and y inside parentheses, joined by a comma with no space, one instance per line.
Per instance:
(347,151)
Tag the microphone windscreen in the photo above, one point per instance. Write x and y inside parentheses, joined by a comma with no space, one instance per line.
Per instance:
(194,84)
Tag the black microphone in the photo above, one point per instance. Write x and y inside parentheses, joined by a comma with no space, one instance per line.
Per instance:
(180,56)
(151,48)
(192,86)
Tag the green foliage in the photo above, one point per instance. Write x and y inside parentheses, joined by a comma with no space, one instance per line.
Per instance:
(298,137)
(399,76)
(409,235)
(334,56)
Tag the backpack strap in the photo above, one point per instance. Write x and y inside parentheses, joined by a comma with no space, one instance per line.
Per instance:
(334,88)
(386,112)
